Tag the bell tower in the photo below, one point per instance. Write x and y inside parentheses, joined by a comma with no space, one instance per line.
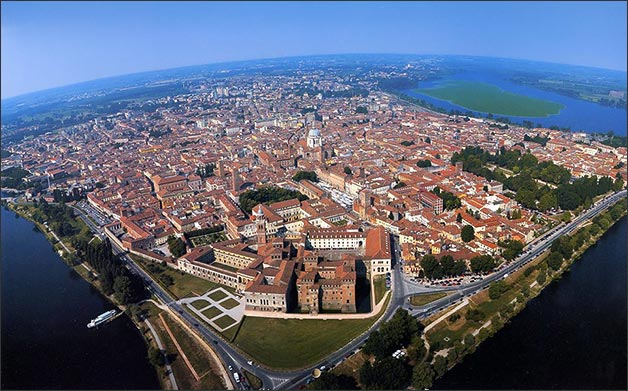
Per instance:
(260,225)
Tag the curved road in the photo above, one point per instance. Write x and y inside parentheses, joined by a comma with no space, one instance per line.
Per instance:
(402,290)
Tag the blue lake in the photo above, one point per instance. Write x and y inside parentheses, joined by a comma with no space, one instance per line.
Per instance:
(579,115)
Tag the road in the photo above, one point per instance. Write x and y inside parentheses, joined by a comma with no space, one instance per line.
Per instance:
(530,253)
(402,290)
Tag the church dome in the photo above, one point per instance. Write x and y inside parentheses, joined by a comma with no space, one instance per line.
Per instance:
(314,133)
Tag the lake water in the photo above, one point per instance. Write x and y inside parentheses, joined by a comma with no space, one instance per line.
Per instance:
(579,115)
(572,336)
(45,309)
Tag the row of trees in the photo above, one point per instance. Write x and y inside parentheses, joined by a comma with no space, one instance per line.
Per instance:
(113,276)
(267,195)
(446,266)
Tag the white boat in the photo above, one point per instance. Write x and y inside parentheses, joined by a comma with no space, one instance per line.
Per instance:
(102,318)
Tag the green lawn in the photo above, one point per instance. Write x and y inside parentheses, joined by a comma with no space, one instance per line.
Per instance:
(426,298)
(488,98)
(198,356)
(184,284)
(229,303)
(217,296)
(198,304)
(379,282)
(224,321)
(293,343)
(211,312)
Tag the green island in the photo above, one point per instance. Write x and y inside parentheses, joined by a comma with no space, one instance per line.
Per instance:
(488,98)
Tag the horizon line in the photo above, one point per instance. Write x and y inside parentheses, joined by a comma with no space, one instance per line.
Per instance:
(2,100)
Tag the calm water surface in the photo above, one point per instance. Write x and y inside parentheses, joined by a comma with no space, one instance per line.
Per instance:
(577,114)
(572,336)
(45,309)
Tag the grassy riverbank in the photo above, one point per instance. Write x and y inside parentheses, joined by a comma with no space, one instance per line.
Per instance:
(489,310)
(457,331)
(198,356)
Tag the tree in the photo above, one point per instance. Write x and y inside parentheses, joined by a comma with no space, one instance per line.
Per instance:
(475,315)
(482,264)
(459,218)
(554,260)
(469,340)
(422,376)
(330,381)
(176,246)
(122,289)
(424,163)
(156,357)
(540,279)
(467,233)
(440,366)
(512,249)
(309,175)
(386,374)
(348,171)
(497,288)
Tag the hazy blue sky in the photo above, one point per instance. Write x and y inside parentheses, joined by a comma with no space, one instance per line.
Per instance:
(48,44)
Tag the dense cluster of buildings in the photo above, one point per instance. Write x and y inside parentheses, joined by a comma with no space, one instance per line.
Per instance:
(182,167)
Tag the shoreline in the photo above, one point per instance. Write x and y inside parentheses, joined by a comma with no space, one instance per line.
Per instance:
(495,326)
(50,237)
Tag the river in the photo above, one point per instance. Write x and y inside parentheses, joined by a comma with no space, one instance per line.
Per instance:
(579,115)
(45,309)
(571,336)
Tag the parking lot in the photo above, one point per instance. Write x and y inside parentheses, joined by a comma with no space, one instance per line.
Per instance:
(94,214)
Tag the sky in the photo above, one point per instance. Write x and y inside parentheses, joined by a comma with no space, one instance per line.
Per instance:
(51,44)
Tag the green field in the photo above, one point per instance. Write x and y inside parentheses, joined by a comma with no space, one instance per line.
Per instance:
(488,98)
(229,304)
(224,321)
(423,299)
(293,343)
(212,312)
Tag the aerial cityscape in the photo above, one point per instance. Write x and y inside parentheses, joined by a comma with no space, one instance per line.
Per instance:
(203,195)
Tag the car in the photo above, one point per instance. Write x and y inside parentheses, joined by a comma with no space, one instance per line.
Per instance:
(250,362)
(230,368)
(236,376)
(215,342)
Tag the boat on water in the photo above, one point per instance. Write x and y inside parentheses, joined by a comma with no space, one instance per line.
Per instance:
(102,318)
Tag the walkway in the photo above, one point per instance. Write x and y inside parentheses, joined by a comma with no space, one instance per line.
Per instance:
(437,321)
(173,382)
(220,304)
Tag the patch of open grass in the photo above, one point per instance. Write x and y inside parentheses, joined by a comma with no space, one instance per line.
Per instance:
(294,343)
(217,296)
(379,282)
(199,357)
(212,312)
(229,303)
(198,304)
(423,299)
(224,321)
